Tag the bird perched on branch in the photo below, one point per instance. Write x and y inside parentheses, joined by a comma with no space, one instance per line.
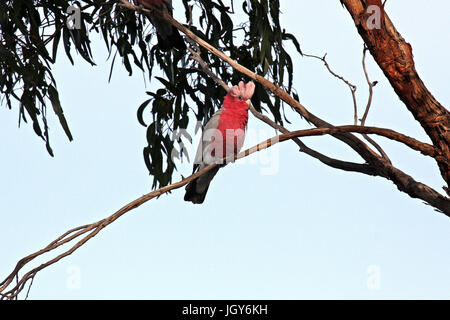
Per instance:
(168,35)
(222,136)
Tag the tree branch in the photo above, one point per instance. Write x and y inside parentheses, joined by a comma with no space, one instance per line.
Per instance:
(378,163)
(91,230)
(334,163)
(370,84)
(394,56)
(369,103)
(359,146)
(351,86)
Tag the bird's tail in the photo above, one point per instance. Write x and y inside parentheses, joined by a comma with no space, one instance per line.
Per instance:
(196,189)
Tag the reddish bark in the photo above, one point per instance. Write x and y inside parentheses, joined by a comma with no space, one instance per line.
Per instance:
(394,56)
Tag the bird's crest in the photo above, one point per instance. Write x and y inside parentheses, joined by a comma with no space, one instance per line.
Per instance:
(243,90)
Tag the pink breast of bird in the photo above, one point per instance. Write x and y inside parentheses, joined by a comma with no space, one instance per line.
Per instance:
(232,123)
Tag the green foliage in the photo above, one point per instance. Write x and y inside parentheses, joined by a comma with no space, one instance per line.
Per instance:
(31,32)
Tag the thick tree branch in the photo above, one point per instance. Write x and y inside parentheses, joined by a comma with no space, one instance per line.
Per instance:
(424,148)
(331,162)
(394,56)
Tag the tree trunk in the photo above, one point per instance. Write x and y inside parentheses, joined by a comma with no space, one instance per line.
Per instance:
(394,56)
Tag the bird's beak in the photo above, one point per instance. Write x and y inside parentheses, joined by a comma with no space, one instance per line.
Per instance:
(248,102)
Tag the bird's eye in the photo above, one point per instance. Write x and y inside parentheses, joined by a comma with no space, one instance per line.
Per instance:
(240,97)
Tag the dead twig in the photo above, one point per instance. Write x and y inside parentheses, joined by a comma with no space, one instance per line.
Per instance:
(351,86)
(371,85)
(366,112)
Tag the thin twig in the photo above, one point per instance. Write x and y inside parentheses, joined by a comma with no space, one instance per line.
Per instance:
(29,287)
(369,102)
(351,86)
(195,55)
(371,85)
(324,60)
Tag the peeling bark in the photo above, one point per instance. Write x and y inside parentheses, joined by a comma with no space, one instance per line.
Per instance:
(394,56)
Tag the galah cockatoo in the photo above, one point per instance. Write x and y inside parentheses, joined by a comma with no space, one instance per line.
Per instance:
(222,136)
(168,35)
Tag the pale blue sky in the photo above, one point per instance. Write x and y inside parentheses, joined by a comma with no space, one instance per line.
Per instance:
(307,231)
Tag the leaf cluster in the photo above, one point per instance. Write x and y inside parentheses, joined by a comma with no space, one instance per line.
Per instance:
(250,32)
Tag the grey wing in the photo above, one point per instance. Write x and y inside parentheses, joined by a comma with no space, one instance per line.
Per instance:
(201,157)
